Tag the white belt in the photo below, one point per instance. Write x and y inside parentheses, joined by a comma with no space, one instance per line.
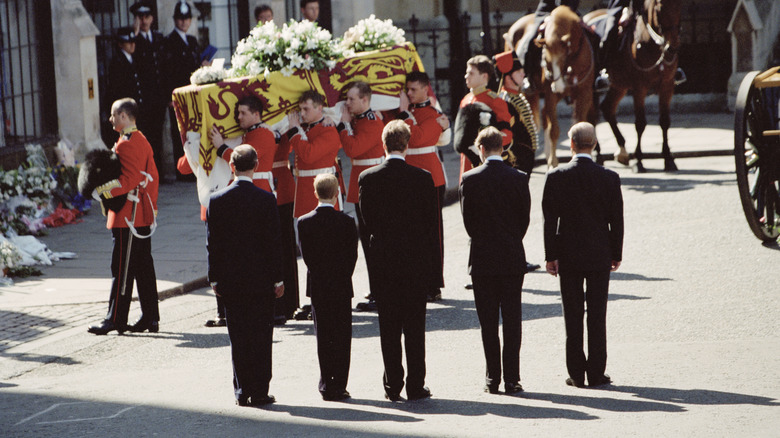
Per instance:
(368,161)
(315,172)
(421,151)
(278,164)
(263,175)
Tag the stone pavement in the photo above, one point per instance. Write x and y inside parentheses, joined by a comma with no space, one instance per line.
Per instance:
(73,293)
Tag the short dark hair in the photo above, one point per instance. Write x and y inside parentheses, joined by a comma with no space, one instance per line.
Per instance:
(364,90)
(260,9)
(314,96)
(252,102)
(244,157)
(306,2)
(128,106)
(418,76)
(483,65)
(396,136)
(490,138)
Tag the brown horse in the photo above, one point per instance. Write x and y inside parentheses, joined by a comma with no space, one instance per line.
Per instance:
(645,63)
(568,70)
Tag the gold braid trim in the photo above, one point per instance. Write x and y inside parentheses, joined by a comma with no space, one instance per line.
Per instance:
(105,189)
(523,108)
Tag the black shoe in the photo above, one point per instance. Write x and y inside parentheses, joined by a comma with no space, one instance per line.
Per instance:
(369,306)
(468,286)
(393,397)
(280,320)
(302,314)
(433,298)
(336,396)
(513,388)
(369,296)
(217,322)
(530,267)
(603,380)
(261,400)
(105,327)
(419,395)
(142,325)
(575,382)
(491,389)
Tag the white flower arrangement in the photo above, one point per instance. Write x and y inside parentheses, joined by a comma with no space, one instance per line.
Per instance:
(297,45)
(372,34)
(9,254)
(208,74)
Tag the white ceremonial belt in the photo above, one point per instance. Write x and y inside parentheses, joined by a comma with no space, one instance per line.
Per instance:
(278,164)
(368,161)
(421,151)
(263,175)
(315,172)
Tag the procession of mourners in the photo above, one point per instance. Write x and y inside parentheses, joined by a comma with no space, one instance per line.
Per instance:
(272,189)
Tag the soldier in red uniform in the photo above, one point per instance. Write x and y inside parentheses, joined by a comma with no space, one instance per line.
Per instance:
(138,172)
(285,200)
(426,124)
(249,110)
(361,137)
(315,147)
(479,73)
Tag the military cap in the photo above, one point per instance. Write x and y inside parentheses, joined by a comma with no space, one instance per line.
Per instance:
(125,35)
(142,7)
(507,62)
(182,10)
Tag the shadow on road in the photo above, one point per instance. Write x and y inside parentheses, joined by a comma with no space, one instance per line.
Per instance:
(693,396)
(667,185)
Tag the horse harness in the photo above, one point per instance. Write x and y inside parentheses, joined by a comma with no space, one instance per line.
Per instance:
(565,71)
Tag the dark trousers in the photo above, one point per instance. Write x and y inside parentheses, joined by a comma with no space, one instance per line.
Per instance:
(365,240)
(402,312)
(574,299)
(333,328)
(290,301)
(178,149)
(140,270)
(250,328)
(494,295)
(440,191)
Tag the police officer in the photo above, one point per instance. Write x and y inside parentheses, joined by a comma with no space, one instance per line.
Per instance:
(123,77)
(148,55)
(181,58)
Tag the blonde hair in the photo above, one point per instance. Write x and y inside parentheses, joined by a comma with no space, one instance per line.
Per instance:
(326,186)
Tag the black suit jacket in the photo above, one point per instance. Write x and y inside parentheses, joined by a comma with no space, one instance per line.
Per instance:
(123,79)
(496,205)
(149,58)
(329,247)
(583,216)
(179,61)
(399,207)
(244,244)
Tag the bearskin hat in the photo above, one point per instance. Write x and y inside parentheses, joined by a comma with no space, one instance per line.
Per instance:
(469,121)
(101,166)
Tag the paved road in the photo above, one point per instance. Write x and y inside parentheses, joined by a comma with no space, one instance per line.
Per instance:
(693,329)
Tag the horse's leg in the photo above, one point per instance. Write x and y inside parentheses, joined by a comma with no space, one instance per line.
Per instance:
(551,130)
(609,109)
(664,102)
(640,123)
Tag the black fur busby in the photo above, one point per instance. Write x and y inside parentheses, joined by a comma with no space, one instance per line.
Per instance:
(101,166)
(468,123)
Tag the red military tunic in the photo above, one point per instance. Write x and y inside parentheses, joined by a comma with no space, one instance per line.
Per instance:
(426,131)
(498,105)
(315,153)
(362,141)
(262,139)
(137,159)
(285,183)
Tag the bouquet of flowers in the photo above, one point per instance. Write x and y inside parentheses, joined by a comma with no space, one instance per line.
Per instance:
(9,255)
(372,34)
(208,74)
(297,45)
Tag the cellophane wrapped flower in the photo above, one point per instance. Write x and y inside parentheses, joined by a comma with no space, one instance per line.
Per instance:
(208,74)
(297,45)
(372,34)
(9,255)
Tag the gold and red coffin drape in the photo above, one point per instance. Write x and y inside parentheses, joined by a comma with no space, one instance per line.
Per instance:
(198,107)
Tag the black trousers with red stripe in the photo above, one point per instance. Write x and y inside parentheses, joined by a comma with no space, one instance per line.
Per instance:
(140,271)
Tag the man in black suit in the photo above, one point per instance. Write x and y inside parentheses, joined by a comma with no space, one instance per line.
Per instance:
(329,247)
(399,207)
(496,205)
(181,58)
(583,242)
(245,269)
(148,54)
